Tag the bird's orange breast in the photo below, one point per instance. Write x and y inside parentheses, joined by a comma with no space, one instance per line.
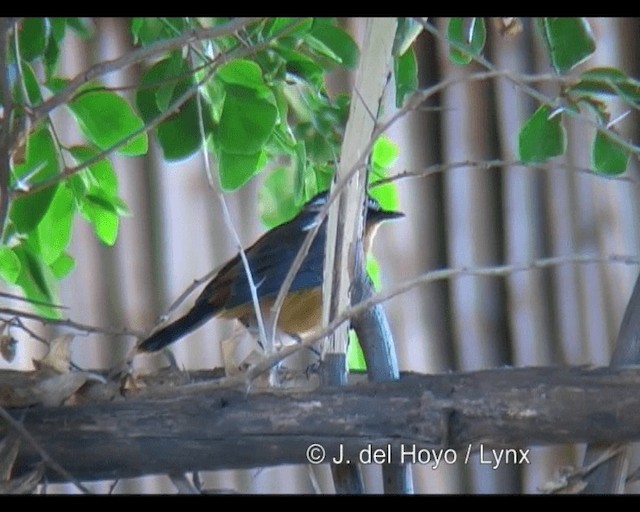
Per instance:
(301,312)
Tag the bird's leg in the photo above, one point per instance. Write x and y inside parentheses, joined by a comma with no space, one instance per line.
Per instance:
(268,346)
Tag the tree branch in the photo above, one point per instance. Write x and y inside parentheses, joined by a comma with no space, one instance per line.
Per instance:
(423,415)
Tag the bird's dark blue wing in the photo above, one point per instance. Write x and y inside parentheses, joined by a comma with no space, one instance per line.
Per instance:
(270,260)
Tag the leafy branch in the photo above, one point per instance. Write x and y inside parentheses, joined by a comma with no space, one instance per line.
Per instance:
(134,57)
(600,81)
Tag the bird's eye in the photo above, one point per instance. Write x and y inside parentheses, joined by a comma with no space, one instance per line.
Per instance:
(372,204)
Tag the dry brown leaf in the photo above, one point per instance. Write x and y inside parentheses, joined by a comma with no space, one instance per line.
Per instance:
(58,358)
(228,348)
(55,390)
(570,481)
(8,347)
(508,26)
(40,387)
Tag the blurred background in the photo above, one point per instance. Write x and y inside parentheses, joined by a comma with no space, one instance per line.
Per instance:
(463,216)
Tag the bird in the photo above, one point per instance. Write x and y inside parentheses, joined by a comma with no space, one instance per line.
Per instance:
(228,293)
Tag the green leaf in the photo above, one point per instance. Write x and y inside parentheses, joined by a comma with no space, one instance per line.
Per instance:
(136,26)
(355,355)
(9,265)
(334,43)
(298,64)
(406,75)
(608,156)
(322,49)
(33,35)
(80,26)
(97,195)
(384,152)
(99,174)
(52,52)
(119,206)
(278,24)
(62,266)
(318,149)
(569,41)
(607,81)
(165,92)
(303,176)
(179,135)
(56,84)
(102,201)
(100,213)
(324,176)
(373,271)
(469,35)
(407,32)
(106,226)
(276,199)
(41,162)
(36,280)
(541,138)
(242,72)
(58,28)
(31,85)
(247,121)
(149,30)
(235,169)
(54,230)
(106,119)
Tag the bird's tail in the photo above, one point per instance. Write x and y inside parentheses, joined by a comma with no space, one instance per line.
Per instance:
(198,315)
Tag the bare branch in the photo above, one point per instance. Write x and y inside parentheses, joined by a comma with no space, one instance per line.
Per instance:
(66,322)
(497,163)
(36,302)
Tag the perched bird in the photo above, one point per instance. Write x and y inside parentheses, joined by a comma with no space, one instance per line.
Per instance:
(228,294)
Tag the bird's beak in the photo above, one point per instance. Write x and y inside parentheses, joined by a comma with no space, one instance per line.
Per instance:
(383,215)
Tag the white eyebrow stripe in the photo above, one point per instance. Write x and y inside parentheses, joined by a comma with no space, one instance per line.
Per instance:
(310,225)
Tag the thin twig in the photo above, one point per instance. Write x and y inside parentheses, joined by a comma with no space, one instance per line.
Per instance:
(66,322)
(569,480)
(432,170)
(17,323)
(35,302)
